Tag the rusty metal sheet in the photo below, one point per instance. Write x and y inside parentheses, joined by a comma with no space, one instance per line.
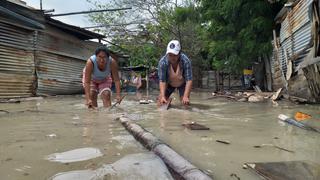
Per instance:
(54,54)
(60,59)
(276,70)
(15,37)
(18,18)
(284,31)
(295,33)
(58,74)
(16,85)
(283,59)
(290,170)
(296,27)
(16,62)
(302,38)
(301,26)
(300,14)
(58,42)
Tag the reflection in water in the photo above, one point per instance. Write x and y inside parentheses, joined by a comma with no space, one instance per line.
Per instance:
(162,120)
(88,122)
(192,107)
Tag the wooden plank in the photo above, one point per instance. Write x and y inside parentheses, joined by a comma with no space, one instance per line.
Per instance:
(257,89)
(223,141)
(289,70)
(276,96)
(195,126)
(118,102)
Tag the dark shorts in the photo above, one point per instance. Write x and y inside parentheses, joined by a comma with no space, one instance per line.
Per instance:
(131,89)
(171,89)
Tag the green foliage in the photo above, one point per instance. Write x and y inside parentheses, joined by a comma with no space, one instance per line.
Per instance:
(159,22)
(144,55)
(221,34)
(240,31)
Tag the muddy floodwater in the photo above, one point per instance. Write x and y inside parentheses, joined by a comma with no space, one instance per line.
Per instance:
(45,137)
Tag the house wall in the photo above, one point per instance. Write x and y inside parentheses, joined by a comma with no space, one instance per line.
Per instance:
(35,61)
(17,70)
(293,44)
(60,59)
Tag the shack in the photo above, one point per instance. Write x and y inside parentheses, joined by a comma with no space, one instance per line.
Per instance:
(40,55)
(296,62)
(125,73)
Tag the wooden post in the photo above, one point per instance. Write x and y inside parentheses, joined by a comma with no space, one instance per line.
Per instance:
(171,158)
(229,81)
(268,73)
(147,83)
(222,79)
(218,80)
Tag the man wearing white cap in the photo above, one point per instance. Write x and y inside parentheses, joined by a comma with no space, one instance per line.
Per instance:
(175,72)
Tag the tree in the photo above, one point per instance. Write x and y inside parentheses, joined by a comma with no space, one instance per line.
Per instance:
(145,30)
(238,31)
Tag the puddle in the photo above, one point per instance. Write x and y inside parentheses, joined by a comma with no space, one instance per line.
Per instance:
(75,155)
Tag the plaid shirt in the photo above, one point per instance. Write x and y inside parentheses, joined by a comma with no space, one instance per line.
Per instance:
(163,68)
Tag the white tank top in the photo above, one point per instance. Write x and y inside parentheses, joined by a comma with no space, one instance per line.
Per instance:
(97,74)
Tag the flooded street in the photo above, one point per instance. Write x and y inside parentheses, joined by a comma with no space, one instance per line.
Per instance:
(32,131)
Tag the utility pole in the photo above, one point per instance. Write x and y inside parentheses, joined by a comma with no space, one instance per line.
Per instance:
(40,4)
(87,12)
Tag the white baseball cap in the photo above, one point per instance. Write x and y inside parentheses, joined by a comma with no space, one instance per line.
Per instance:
(173,47)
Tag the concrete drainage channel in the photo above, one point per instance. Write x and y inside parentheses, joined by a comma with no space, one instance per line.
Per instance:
(180,167)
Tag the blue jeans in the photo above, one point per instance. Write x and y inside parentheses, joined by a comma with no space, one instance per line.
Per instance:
(170,90)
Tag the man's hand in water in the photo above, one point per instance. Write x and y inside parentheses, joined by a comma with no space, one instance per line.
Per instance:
(162,100)
(185,100)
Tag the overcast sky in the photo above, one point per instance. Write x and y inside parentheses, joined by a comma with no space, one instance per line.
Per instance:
(65,6)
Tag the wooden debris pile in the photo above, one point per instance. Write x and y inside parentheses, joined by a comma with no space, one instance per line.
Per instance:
(257,96)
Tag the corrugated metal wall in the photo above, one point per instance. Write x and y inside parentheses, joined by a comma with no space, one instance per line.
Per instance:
(295,41)
(58,74)
(295,34)
(60,59)
(40,58)
(16,61)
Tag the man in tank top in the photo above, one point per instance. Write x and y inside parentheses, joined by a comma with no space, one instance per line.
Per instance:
(175,72)
(98,74)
